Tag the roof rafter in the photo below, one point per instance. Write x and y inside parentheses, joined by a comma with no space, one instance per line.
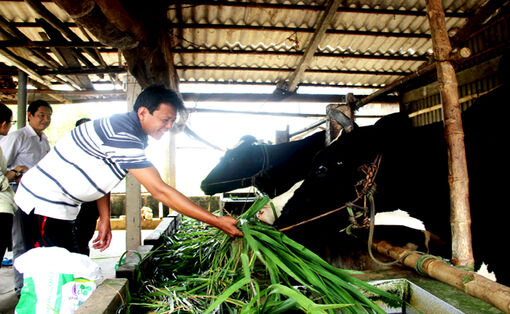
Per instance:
(332,71)
(271,28)
(300,53)
(279,6)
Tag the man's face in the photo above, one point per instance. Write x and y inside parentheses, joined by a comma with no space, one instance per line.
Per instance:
(40,120)
(159,122)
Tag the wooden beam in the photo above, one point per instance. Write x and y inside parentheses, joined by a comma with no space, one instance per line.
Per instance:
(212,97)
(25,68)
(258,113)
(133,187)
(483,70)
(460,217)
(67,93)
(246,97)
(54,33)
(477,285)
(263,69)
(393,86)
(318,54)
(462,35)
(13,34)
(88,14)
(117,15)
(67,57)
(475,23)
(180,25)
(311,7)
(14,43)
(251,83)
(84,71)
(284,29)
(57,23)
(113,77)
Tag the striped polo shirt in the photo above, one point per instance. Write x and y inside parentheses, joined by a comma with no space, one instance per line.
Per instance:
(83,166)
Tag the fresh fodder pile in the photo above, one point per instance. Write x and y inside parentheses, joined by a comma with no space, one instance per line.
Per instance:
(201,270)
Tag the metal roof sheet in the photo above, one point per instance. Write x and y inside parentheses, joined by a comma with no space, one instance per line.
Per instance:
(366,43)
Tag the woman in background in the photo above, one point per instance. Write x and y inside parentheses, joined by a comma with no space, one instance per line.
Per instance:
(7,205)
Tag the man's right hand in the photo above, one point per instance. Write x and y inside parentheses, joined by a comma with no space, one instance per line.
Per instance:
(228,224)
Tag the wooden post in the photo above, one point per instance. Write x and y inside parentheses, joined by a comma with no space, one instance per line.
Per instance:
(133,187)
(460,217)
(471,283)
(22,99)
(171,160)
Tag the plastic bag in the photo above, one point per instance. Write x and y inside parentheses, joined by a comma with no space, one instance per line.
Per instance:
(55,280)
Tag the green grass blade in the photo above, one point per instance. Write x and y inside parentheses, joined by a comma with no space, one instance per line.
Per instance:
(236,286)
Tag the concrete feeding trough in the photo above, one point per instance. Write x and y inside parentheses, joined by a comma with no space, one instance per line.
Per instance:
(417,299)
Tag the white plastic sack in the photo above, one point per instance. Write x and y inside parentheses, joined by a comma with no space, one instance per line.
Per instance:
(55,280)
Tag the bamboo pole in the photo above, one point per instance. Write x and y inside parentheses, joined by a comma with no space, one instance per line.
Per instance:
(471,283)
(460,217)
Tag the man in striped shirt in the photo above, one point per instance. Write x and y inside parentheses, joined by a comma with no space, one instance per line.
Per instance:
(90,161)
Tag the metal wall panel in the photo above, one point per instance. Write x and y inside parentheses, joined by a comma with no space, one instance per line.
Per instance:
(488,44)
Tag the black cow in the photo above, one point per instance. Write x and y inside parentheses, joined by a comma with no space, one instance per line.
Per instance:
(413,176)
(272,169)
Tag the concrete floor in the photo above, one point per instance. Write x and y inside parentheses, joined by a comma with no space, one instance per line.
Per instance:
(106,261)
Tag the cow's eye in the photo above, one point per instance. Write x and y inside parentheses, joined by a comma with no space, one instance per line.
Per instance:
(339,163)
(321,170)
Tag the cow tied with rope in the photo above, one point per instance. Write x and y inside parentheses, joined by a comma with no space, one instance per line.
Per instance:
(412,176)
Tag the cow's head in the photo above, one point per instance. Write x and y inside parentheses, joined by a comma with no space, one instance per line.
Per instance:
(335,172)
(235,169)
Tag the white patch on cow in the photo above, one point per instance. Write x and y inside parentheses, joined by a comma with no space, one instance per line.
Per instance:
(398,217)
(337,137)
(266,213)
(483,271)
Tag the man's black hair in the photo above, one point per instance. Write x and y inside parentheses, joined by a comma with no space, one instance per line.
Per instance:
(32,108)
(5,113)
(154,95)
(80,121)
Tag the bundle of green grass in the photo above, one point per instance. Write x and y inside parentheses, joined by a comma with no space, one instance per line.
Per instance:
(202,270)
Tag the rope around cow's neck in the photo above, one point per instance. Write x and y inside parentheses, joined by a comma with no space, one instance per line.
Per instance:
(366,184)
(367,192)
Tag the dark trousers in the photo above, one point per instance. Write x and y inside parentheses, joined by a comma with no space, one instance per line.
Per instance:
(85,225)
(5,233)
(43,231)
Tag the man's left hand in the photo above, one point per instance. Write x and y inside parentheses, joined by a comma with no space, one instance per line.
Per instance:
(104,238)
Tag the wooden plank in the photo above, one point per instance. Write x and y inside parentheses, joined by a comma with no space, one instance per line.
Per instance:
(290,85)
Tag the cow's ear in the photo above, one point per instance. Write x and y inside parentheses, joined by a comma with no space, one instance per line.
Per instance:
(390,128)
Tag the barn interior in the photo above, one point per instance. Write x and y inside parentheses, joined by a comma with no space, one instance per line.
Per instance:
(422,57)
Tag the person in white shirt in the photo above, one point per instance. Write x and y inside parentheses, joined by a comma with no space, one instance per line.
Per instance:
(26,146)
(7,205)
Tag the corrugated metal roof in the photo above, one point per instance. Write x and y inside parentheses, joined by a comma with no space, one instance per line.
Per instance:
(366,43)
